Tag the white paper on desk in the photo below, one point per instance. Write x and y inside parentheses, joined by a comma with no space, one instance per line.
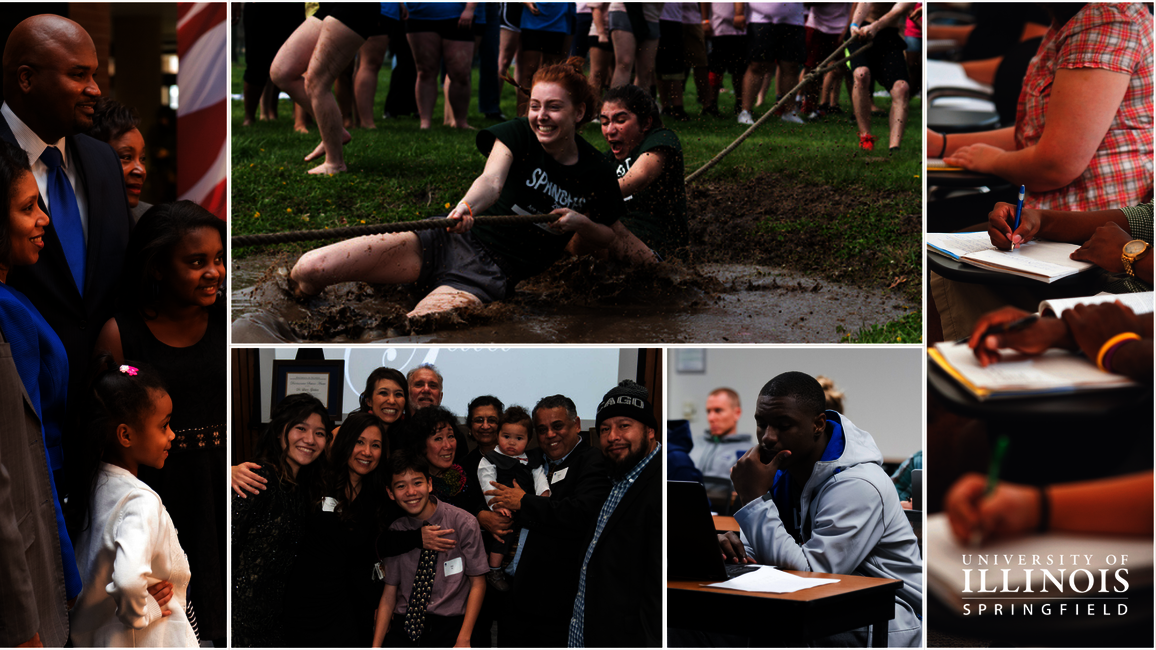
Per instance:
(772,581)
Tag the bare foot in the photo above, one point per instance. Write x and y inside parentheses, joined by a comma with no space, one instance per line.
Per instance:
(425,125)
(467,127)
(248,122)
(443,299)
(300,128)
(327,168)
(320,150)
(369,126)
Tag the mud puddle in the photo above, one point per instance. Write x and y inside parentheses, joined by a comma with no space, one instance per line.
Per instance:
(579,301)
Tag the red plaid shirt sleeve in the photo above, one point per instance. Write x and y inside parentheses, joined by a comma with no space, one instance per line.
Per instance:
(1115,37)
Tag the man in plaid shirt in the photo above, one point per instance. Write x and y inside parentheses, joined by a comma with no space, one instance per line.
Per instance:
(619,599)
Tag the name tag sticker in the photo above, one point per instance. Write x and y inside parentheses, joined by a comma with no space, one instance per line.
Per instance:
(452,566)
(328,504)
(559,475)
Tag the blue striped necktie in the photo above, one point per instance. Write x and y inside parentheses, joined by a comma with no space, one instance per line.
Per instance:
(65,215)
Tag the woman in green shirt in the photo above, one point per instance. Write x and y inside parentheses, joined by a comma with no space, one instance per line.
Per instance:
(535,165)
(648,162)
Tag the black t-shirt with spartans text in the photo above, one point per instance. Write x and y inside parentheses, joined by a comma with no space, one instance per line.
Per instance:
(538,184)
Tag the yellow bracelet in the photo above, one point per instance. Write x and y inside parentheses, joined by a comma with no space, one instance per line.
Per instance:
(1110,343)
(463,201)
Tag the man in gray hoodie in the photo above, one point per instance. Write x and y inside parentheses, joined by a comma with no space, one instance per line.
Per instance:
(817,499)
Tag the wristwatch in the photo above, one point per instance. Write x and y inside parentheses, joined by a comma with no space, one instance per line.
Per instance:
(1133,251)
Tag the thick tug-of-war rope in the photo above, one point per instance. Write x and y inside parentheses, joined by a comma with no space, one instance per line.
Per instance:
(824,67)
(382,228)
(428,224)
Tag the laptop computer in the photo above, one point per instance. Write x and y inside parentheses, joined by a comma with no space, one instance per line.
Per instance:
(692,544)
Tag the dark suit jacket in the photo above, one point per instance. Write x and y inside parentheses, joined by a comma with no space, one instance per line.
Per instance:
(32,594)
(49,284)
(547,579)
(624,576)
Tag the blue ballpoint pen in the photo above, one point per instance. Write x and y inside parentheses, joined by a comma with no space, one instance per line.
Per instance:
(1019,209)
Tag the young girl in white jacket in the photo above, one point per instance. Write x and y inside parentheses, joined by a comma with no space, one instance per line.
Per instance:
(127,551)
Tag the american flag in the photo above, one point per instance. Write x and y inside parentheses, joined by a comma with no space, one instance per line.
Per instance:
(202,155)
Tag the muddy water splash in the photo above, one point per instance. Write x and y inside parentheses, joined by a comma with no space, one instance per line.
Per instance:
(577,301)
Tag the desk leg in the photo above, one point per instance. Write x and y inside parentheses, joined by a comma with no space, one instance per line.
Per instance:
(879,635)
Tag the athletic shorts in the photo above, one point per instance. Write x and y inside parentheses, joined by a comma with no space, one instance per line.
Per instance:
(729,54)
(448,29)
(820,45)
(914,43)
(461,262)
(694,40)
(362,17)
(773,42)
(671,60)
(511,16)
(548,43)
(885,60)
(621,21)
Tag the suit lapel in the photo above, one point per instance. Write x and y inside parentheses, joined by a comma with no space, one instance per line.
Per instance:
(95,197)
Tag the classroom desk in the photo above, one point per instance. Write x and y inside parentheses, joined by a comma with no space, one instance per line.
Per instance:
(948,119)
(1062,407)
(786,620)
(962,178)
(1085,282)
(724,524)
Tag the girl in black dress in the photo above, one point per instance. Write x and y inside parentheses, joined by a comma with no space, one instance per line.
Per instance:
(267,527)
(172,314)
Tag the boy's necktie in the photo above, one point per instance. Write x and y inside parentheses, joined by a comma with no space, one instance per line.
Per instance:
(422,590)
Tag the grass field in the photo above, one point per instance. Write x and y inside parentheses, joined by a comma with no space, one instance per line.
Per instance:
(399,173)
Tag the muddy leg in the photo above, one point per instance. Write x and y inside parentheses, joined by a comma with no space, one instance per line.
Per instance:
(377,259)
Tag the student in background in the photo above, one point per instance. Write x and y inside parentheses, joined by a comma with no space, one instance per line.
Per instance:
(715,452)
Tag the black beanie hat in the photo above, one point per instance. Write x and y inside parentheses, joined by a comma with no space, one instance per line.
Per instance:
(628,399)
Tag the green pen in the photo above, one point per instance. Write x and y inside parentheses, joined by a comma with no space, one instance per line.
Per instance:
(997,455)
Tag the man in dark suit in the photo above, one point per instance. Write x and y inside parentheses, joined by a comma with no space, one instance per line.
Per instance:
(50,91)
(546,575)
(619,601)
(32,594)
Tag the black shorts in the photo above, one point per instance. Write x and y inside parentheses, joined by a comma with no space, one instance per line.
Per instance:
(512,16)
(774,42)
(671,60)
(461,262)
(362,17)
(448,29)
(548,43)
(728,54)
(267,26)
(886,60)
